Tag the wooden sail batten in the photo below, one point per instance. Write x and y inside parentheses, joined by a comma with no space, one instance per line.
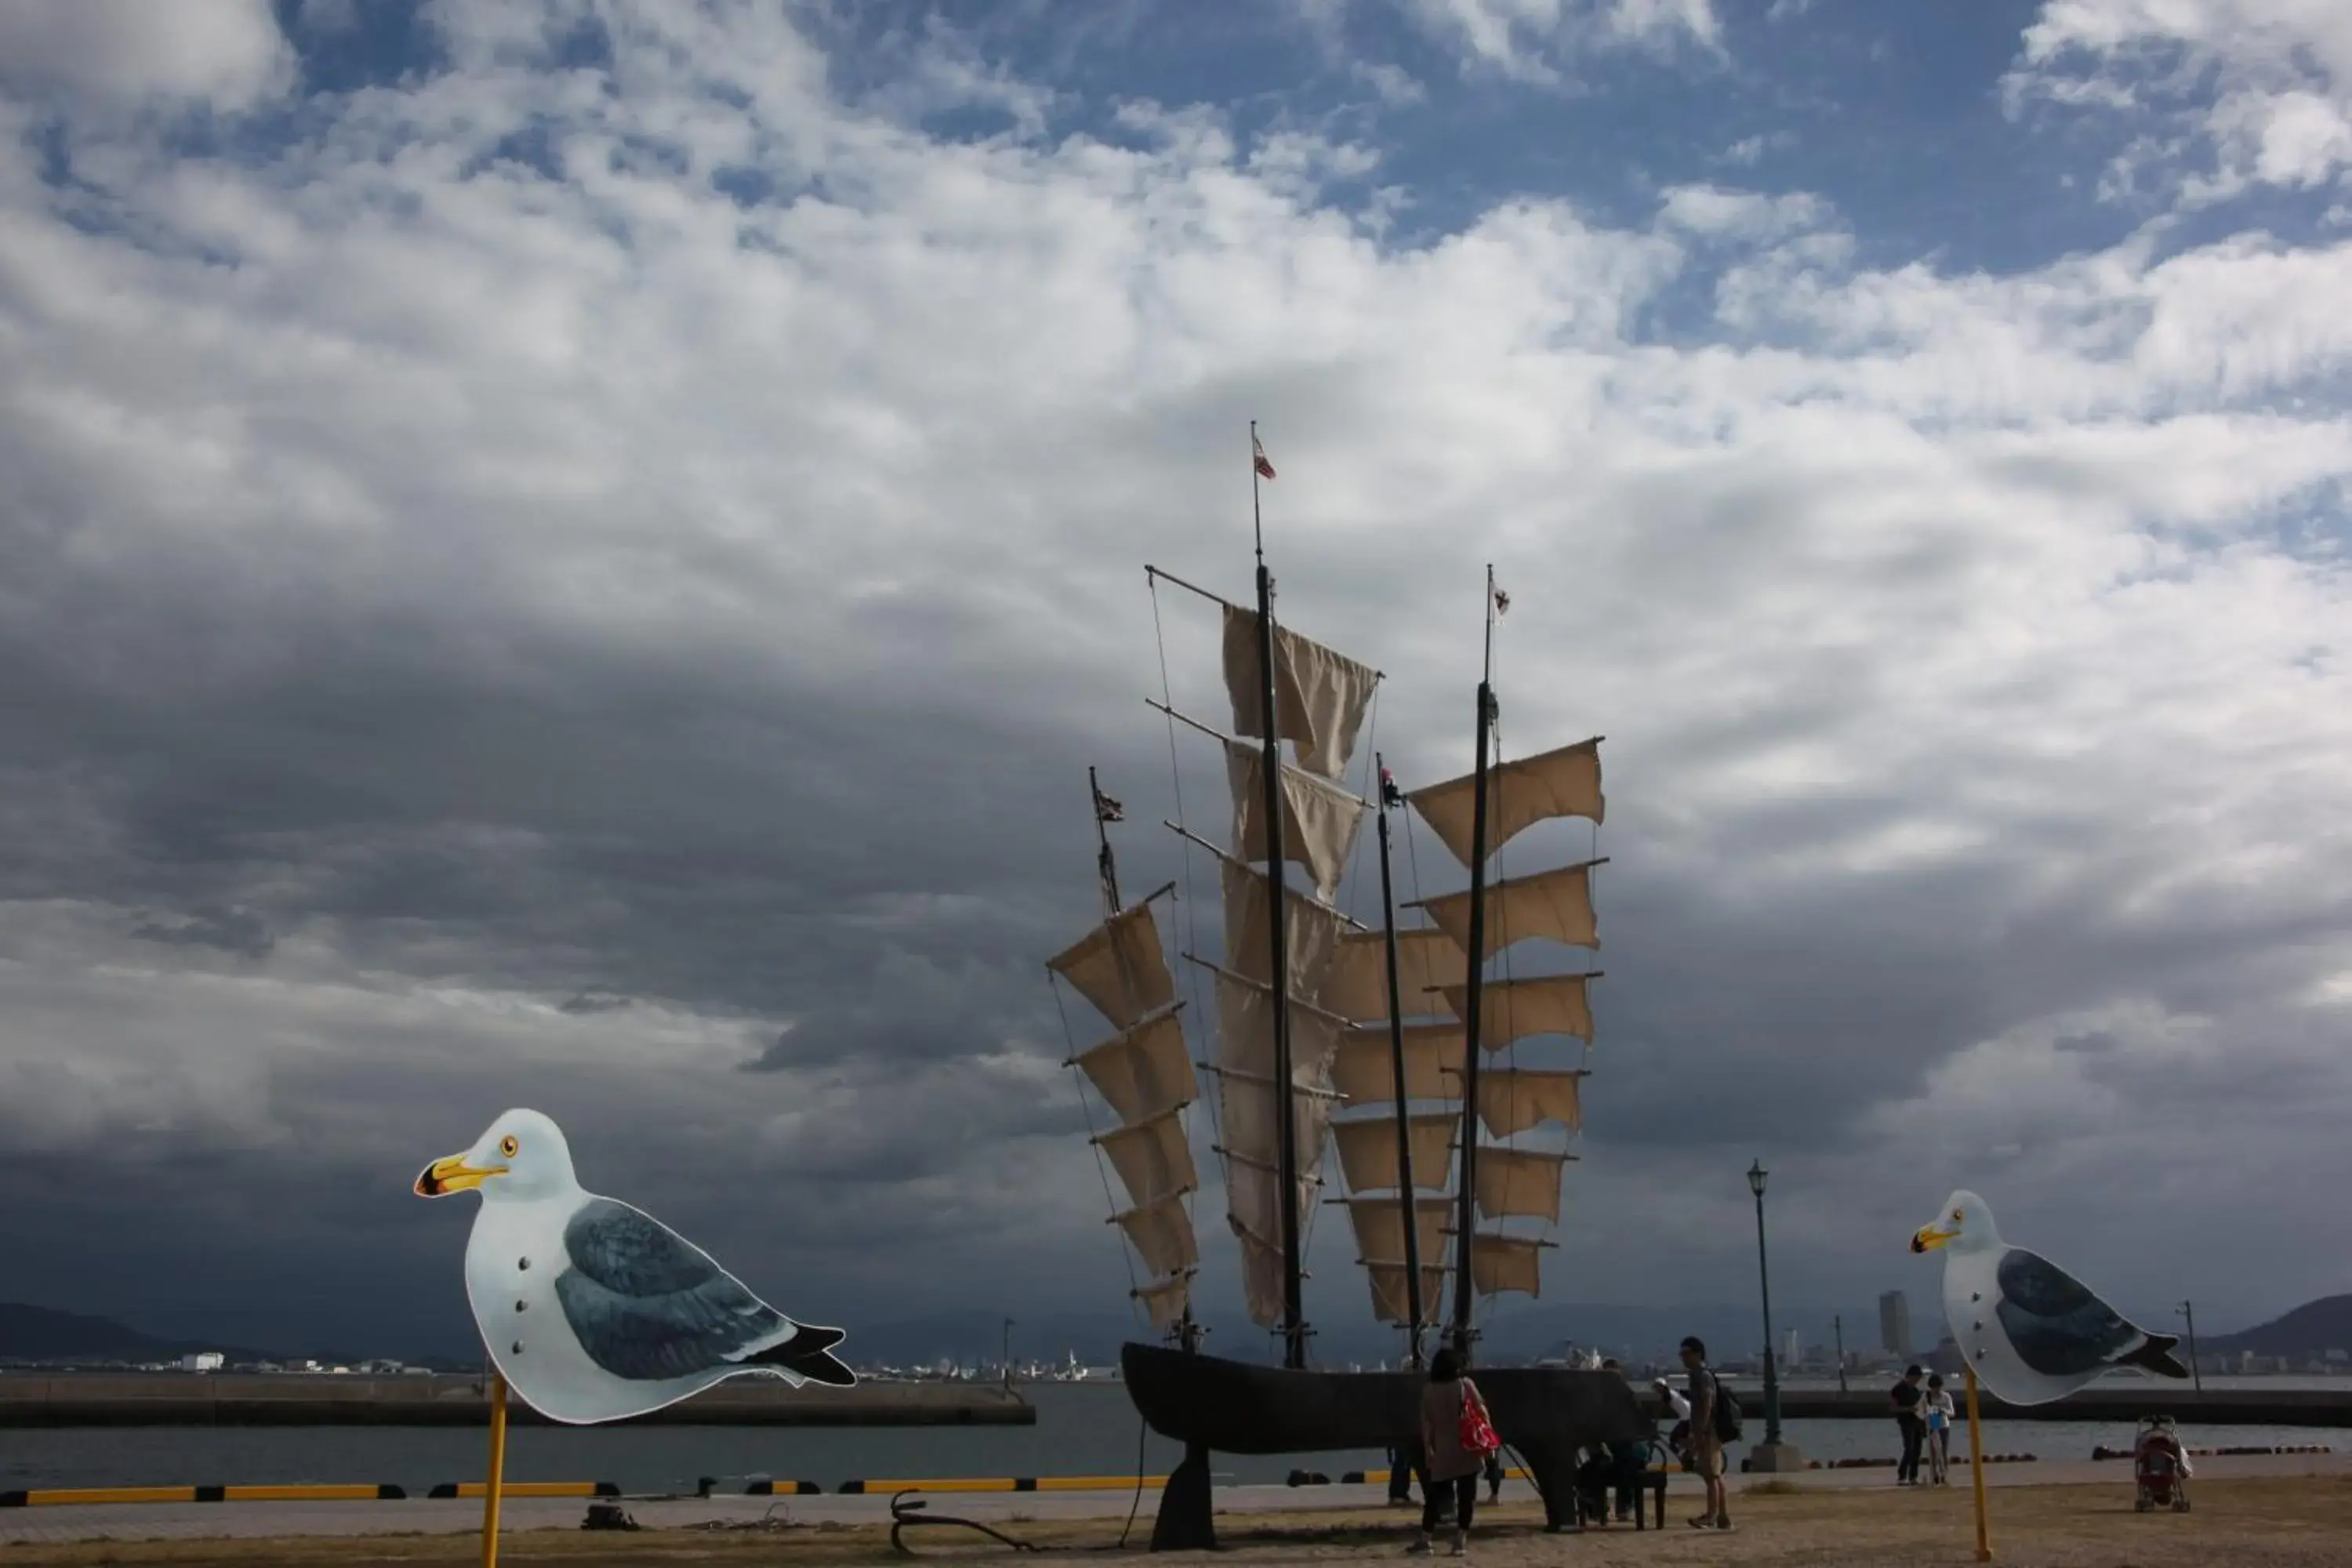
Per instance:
(1151,571)
(1296,895)
(1289,770)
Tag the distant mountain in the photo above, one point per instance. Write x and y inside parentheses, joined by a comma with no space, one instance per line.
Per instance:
(2308,1330)
(43,1334)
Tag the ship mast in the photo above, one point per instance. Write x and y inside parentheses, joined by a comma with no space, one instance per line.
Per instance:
(1407,1210)
(1294,1324)
(1465,1220)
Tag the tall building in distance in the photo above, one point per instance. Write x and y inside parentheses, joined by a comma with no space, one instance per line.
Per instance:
(1793,1353)
(1894,1323)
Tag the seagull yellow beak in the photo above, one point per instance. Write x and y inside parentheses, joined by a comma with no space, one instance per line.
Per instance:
(454,1175)
(1928,1238)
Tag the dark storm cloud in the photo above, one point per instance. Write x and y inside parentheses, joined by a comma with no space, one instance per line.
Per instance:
(613,650)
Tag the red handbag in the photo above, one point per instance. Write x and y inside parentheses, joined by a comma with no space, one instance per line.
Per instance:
(1479,1438)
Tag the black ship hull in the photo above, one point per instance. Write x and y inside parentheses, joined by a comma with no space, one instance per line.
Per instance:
(1546,1415)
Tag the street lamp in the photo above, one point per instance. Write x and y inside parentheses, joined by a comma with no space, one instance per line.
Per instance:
(1772,1454)
(1005,1358)
(1837,1327)
(2190,1313)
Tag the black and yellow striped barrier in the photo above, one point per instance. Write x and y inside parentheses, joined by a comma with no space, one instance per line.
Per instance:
(784,1489)
(1002,1484)
(64,1496)
(447,1489)
(1380,1477)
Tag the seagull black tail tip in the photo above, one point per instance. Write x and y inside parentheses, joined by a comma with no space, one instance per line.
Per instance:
(2156,1356)
(808,1354)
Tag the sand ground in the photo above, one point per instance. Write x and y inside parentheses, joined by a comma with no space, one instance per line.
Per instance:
(2257,1513)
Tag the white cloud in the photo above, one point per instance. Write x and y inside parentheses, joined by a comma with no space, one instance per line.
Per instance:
(228,53)
(2263,87)
(1534,40)
(1917,603)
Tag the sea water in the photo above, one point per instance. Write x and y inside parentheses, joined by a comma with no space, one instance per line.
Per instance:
(1082,1430)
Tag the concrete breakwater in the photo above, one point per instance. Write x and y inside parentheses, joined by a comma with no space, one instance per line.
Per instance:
(2111,1401)
(323,1399)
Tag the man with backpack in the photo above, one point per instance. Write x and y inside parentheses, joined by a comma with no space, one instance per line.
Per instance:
(1713,1421)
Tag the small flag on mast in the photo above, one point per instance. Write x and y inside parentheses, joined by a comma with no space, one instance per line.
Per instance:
(1258,453)
(1390,794)
(1502,604)
(1107,809)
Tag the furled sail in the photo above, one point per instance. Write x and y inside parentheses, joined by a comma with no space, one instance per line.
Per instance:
(1368,1150)
(1320,820)
(1511,1010)
(1320,696)
(1512,1099)
(1519,1182)
(1363,1069)
(1118,967)
(1565,783)
(1357,987)
(1556,904)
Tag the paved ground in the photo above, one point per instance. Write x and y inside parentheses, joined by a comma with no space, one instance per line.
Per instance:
(153,1521)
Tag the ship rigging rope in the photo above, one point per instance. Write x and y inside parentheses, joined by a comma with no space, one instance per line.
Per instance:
(1191,922)
(1078,1082)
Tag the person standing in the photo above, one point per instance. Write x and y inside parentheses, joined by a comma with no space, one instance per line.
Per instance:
(1449,1469)
(1706,1442)
(1937,1409)
(1905,1397)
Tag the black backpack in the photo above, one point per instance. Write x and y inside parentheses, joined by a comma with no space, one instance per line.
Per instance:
(1726,1411)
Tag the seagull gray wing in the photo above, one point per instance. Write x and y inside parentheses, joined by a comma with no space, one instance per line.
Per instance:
(647,1304)
(2057,1326)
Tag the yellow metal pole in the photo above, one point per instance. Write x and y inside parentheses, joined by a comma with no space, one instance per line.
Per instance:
(1976,1470)
(492,1493)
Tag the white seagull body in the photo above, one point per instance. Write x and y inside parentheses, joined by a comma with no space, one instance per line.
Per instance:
(2032,1331)
(593,1310)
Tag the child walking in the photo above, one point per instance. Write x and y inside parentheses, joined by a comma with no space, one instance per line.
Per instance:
(1938,1408)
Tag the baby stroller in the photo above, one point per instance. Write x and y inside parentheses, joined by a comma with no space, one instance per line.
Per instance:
(2159,1467)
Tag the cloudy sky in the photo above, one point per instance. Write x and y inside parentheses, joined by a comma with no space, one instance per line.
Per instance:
(578,554)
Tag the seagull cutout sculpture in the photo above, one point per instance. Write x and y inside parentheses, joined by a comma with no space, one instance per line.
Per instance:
(596,1311)
(2032,1331)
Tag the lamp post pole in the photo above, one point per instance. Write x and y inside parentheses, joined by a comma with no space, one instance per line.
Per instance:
(1837,1326)
(2188,1311)
(1771,1454)
(1005,1357)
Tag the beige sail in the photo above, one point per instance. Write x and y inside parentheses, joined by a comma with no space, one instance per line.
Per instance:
(1262,1294)
(1320,696)
(1556,904)
(1500,1263)
(1511,1010)
(1512,1099)
(1363,1069)
(1153,1159)
(1380,1225)
(1248,1127)
(1565,783)
(1165,1300)
(1520,1182)
(1253,1209)
(1320,820)
(1161,1233)
(1310,932)
(1390,1303)
(1118,967)
(1357,985)
(1246,1032)
(1144,1072)
(1368,1150)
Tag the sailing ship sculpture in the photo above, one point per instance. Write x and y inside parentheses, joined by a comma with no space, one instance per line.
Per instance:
(1375,1024)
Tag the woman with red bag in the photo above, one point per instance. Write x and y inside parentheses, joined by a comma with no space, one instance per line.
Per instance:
(1456,1436)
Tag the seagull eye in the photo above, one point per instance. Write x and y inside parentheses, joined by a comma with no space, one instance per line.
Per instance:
(1956,1213)
(507,1146)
